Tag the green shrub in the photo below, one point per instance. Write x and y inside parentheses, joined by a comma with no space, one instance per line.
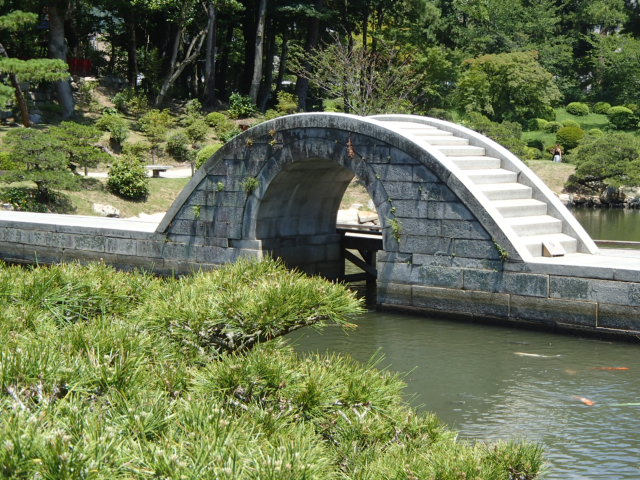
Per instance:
(537,124)
(569,137)
(197,130)
(440,113)
(601,108)
(226,136)
(241,106)
(205,153)
(128,179)
(23,199)
(552,127)
(271,114)
(622,118)
(578,108)
(193,108)
(595,132)
(634,107)
(130,102)
(571,123)
(536,143)
(117,127)
(140,150)
(532,153)
(287,103)
(178,146)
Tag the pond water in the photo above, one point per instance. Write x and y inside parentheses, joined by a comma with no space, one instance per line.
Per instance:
(492,383)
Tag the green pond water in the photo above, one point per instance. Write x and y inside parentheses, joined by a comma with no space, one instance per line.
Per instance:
(492,383)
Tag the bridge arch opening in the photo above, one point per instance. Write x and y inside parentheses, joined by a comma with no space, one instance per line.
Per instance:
(296,218)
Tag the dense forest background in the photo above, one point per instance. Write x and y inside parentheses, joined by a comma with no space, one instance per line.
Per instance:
(424,53)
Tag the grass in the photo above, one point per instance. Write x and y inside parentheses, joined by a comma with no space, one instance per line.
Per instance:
(554,175)
(113,375)
(163,191)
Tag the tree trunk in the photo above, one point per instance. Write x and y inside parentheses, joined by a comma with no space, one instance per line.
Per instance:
(284,53)
(210,59)
(132,52)
(264,94)
(20,100)
(223,64)
(257,62)
(313,36)
(57,49)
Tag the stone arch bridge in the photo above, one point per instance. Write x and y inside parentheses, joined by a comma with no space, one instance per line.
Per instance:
(467,229)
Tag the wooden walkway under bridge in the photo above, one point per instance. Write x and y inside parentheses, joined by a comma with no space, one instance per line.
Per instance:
(366,240)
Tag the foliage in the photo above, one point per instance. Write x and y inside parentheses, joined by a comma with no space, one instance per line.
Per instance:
(595,132)
(241,106)
(155,124)
(116,126)
(578,108)
(229,135)
(41,159)
(570,123)
(130,102)
(178,146)
(553,127)
(622,118)
(27,199)
(287,103)
(601,107)
(507,86)
(250,184)
(569,137)
(197,130)
(616,69)
(80,144)
(220,122)
(537,124)
(367,81)
(610,160)
(128,179)
(440,113)
(205,153)
(507,134)
(139,150)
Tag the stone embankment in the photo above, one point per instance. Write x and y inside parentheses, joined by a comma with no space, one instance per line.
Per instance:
(610,198)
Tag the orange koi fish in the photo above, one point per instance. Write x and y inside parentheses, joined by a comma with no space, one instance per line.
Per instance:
(585,400)
(611,368)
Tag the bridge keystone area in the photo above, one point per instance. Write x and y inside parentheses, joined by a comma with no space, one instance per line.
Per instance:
(467,230)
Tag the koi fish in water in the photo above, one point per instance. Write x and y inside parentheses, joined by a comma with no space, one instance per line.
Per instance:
(585,400)
(611,368)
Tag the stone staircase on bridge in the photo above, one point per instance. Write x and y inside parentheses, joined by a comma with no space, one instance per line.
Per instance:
(528,218)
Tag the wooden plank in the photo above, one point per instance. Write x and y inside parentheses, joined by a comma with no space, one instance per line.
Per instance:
(360,263)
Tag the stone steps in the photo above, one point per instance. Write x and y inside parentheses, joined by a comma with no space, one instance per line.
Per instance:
(520,208)
(526,216)
(492,175)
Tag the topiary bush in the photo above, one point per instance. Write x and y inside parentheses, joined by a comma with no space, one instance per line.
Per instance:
(601,108)
(178,146)
(571,123)
(205,153)
(241,106)
(536,143)
(622,118)
(569,137)
(553,127)
(595,132)
(537,124)
(128,179)
(578,108)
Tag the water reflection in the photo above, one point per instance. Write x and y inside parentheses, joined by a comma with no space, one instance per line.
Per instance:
(610,224)
(473,378)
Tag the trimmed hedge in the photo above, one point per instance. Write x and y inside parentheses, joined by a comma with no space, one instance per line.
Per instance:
(578,108)
(569,137)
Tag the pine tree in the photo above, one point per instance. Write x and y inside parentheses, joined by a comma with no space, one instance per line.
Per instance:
(36,70)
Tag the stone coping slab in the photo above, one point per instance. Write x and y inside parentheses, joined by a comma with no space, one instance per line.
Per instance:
(86,221)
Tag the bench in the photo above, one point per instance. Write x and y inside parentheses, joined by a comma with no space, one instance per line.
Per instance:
(157,169)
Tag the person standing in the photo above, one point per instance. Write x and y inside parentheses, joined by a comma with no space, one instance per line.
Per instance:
(557,153)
